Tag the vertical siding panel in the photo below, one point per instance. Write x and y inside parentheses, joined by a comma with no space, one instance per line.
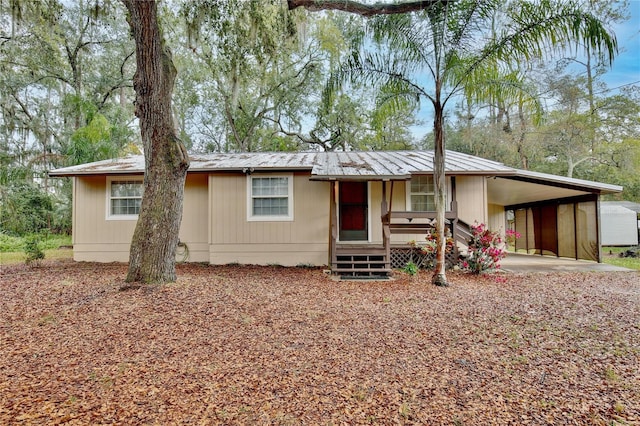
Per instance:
(497,218)
(213,217)
(226,203)
(471,194)
(282,242)
(243,232)
(375,224)
(400,202)
(230,204)
(194,227)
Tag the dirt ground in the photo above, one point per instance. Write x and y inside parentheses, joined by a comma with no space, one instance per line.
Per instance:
(288,346)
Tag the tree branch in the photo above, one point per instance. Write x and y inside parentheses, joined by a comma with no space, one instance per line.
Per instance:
(328,144)
(361,8)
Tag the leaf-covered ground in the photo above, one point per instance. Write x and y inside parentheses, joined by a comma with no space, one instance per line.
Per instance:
(268,345)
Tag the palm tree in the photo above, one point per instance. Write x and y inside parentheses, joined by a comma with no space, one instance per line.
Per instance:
(444,47)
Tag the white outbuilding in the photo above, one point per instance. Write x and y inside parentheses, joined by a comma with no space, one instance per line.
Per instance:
(619,225)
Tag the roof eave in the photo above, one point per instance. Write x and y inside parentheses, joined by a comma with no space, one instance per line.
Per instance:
(252,169)
(71,173)
(360,177)
(564,182)
(54,173)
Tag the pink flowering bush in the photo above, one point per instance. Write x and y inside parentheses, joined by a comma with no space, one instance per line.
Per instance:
(486,249)
(510,237)
(424,254)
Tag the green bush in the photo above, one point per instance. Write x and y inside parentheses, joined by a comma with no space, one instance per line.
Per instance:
(27,209)
(10,243)
(33,251)
(411,268)
(52,242)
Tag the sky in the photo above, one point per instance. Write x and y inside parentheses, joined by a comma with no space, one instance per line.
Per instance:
(625,70)
(626,67)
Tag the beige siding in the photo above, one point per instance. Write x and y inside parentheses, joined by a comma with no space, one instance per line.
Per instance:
(497,219)
(97,239)
(195,219)
(375,202)
(233,238)
(215,227)
(401,203)
(471,193)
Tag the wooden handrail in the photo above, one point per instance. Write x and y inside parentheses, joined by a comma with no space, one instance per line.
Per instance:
(386,238)
(333,220)
(420,215)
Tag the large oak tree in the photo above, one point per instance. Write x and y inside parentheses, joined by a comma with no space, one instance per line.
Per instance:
(152,256)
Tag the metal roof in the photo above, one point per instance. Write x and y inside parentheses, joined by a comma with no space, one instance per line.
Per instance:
(398,165)
(199,163)
(254,161)
(371,165)
(323,165)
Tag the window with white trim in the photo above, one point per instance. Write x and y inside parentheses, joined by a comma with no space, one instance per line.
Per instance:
(270,198)
(421,193)
(124,197)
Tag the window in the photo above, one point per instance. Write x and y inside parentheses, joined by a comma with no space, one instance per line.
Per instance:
(123,198)
(270,198)
(422,193)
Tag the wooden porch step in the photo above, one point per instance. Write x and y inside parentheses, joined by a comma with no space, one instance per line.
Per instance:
(361,261)
(360,252)
(339,270)
(379,261)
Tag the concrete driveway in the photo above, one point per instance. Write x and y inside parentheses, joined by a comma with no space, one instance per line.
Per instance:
(518,262)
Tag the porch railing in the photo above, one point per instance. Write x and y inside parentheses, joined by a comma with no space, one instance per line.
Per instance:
(412,222)
(395,222)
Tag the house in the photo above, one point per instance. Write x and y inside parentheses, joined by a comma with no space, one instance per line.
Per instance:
(620,224)
(353,211)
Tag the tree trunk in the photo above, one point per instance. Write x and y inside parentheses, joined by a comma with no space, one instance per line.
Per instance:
(524,158)
(152,256)
(439,179)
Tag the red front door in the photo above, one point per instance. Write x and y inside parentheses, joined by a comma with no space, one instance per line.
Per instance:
(354,209)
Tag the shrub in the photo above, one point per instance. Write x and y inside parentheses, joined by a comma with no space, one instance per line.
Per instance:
(510,237)
(33,251)
(424,254)
(27,209)
(411,268)
(10,243)
(486,249)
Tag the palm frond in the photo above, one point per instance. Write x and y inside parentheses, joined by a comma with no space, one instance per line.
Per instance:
(497,84)
(542,28)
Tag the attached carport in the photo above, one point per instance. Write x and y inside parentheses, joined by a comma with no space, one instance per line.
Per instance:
(555,215)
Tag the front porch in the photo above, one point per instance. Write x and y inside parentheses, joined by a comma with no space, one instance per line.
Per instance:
(378,259)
